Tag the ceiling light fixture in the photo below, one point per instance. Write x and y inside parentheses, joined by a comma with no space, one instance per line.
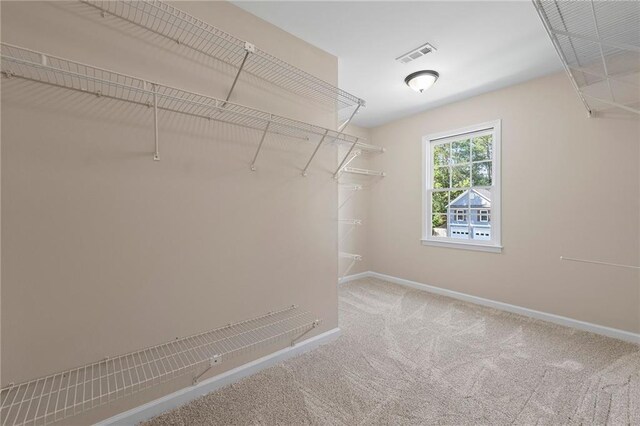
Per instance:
(421,80)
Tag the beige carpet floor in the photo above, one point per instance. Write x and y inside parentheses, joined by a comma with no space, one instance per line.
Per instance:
(408,357)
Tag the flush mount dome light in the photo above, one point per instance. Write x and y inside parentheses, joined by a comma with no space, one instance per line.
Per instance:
(421,80)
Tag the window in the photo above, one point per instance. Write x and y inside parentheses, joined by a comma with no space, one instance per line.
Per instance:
(462,188)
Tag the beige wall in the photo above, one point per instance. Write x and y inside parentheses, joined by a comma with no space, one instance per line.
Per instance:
(105,251)
(570,187)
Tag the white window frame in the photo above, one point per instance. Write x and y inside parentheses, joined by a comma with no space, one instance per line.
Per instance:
(461,213)
(483,216)
(495,244)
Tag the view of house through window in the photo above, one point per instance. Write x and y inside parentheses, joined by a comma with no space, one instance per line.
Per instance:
(460,186)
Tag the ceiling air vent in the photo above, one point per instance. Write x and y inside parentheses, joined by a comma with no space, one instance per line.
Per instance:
(416,53)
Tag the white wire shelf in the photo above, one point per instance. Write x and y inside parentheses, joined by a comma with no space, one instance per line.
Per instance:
(599,45)
(177,25)
(371,148)
(43,68)
(67,393)
(355,257)
(367,172)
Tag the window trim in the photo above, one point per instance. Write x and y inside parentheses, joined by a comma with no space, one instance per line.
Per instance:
(483,213)
(428,239)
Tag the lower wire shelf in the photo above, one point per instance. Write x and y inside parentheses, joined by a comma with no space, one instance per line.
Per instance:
(64,394)
(367,172)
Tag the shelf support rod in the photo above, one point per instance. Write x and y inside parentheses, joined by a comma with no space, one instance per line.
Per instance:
(156,155)
(340,131)
(346,235)
(353,262)
(313,325)
(346,200)
(348,120)
(248,48)
(315,151)
(235,80)
(353,157)
(212,362)
(255,157)
(344,160)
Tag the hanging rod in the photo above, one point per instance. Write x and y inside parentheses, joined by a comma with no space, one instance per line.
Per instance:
(185,29)
(351,221)
(367,172)
(596,262)
(44,68)
(67,393)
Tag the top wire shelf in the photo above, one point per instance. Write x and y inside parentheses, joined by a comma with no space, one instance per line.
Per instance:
(67,393)
(40,67)
(190,31)
(599,45)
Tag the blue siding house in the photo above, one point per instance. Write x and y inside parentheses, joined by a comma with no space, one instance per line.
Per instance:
(470,215)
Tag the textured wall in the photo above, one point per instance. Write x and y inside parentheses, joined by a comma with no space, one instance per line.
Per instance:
(106,251)
(569,188)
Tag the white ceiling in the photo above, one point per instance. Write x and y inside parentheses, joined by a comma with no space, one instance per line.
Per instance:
(482,46)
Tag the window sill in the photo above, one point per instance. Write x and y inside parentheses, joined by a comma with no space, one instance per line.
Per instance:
(463,246)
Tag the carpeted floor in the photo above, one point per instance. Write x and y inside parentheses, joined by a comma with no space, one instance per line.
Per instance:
(410,357)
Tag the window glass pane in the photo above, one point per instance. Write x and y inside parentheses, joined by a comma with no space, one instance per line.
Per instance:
(460,151)
(465,162)
(441,154)
(441,177)
(439,202)
(439,225)
(455,195)
(481,215)
(461,176)
(482,173)
(482,148)
(458,215)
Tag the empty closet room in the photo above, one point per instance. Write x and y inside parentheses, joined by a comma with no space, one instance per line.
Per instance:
(320,213)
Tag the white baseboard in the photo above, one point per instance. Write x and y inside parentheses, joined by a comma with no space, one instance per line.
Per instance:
(348,278)
(556,319)
(183,396)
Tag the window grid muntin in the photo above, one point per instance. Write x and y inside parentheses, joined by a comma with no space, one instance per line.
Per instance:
(469,135)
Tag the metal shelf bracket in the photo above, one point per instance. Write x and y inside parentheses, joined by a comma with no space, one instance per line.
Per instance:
(255,157)
(315,151)
(345,159)
(213,361)
(156,155)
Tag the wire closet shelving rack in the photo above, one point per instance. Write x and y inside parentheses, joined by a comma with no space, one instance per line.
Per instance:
(352,189)
(599,45)
(36,66)
(185,29)
(67,393)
